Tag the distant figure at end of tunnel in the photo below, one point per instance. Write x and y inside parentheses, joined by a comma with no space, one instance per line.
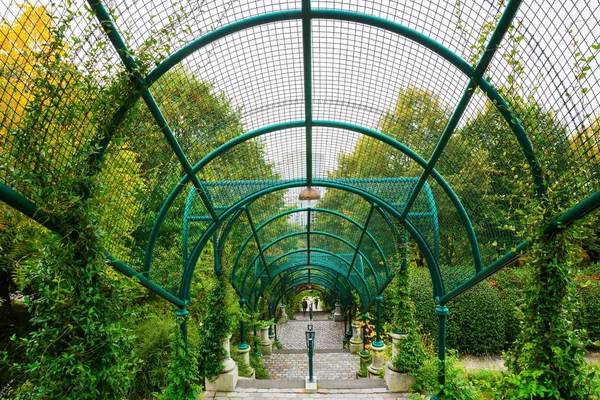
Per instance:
(316,304)
(304,306)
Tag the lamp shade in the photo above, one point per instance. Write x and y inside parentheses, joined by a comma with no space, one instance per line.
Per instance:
(309,194)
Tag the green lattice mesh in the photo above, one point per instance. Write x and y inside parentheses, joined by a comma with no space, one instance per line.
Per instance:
(359,77)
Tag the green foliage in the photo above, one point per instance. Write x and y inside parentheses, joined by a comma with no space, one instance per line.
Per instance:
(401,318)
(243,369)
(153,347)
(75,311)
(258,364)
(588,288)
(183,370)
(476,321)
(547,358)
(457,387)
(216,326)
(411,356)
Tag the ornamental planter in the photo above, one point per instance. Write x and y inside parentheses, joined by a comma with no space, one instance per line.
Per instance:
(284,317)
(356,341)
(227,379)
(337,316)
(266,345)
(376,367)
(397,381)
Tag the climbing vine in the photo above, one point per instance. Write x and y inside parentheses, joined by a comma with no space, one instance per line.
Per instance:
(216,325)
(547,359)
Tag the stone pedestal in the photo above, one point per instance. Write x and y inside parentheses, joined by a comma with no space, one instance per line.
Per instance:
(245,352)
(310,387)
(284,317)
(377,354)
(397,381)
(227,379)
(356,342)
(266,345)
(337,316)
(365,360)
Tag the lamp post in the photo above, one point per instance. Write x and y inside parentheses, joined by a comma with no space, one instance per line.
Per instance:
(310,312)
(310,343)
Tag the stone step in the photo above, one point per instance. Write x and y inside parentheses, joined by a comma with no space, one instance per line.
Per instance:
(323,384)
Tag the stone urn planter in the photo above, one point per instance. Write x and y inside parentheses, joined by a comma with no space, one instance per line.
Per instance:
(245,352)
(266,345)
(365,360)
(397,381)
(337,316)
(283,318)
(377,354)
(356,341)
(227,379)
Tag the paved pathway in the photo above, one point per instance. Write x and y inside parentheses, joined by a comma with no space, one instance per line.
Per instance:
(262,394)
(328,333)
(326,365)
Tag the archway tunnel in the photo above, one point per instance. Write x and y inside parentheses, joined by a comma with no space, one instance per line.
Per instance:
(205,128)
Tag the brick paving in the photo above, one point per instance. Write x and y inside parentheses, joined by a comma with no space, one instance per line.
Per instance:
(328,333)
(262,394)
(326,365)
(328,337)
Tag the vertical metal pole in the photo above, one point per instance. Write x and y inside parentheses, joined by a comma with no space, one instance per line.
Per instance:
(310,360)
(310,312)
(243,345)
(378,342)
(442,313)
(364,331)
(182,316)
(345,327)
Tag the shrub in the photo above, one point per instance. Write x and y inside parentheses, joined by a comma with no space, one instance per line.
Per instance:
(477,318)
(588,283)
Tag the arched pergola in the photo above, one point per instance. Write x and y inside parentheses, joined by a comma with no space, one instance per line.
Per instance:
(309,85)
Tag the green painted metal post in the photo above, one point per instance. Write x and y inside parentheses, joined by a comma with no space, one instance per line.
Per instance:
(442,313)
(182,316)
(378,342)
(310,338)
(243,345)
(364,316)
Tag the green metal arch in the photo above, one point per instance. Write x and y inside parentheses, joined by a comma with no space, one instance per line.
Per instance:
(288,212)
(341,125)
(324,268)
(143,83)
(285,267)
(325,290)
(299,282)
(396,28)
(438,288)
(328,234)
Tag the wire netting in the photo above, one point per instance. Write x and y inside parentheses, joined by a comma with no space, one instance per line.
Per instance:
(352,108)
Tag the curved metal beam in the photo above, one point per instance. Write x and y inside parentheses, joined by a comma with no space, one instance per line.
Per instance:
(288,212)
(297,271)
(285,267)
(438,287)
(350,16)
(341,125)
(299,233)
(336,284)
(299,282)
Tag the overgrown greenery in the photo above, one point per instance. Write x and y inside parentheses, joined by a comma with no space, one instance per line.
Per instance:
(216,325)
(547,358)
